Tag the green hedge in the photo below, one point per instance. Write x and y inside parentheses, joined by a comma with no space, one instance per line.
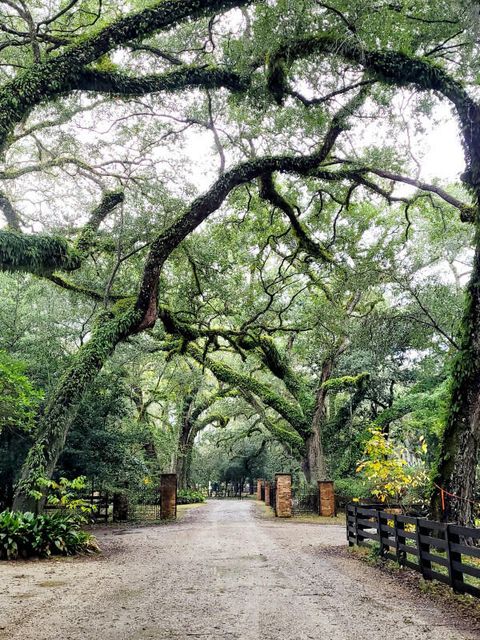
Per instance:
(23,535)
(348,489)
(188,496)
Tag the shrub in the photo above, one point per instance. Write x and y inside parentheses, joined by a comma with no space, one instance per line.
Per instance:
(23,535)
(189,496)
(386,468)
(352,489)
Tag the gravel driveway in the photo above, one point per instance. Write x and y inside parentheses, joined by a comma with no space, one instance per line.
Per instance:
(220,572)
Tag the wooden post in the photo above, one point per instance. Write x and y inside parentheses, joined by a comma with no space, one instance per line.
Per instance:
(168,496)
(400,539)
(355,523)
(456,577)
(380,539)
(423,563)
(283,495)
(326,499)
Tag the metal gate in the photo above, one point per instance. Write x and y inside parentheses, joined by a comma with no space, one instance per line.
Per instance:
(305,500)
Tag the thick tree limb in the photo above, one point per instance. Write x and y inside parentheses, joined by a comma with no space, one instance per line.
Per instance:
(390,67)
(57,75)
(43,254)
(291,412)
(315,249)
(182,78)
(9,212)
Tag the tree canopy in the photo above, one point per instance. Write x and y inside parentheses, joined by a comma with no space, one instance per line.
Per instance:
(215,214)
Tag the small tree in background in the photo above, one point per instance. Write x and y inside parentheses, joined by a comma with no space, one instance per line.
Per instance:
(391,478)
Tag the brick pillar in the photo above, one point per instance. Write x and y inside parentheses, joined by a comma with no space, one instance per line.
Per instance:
(284,495)
(326,499)
(168,496)
(120,507)
(259,489)
(267,493)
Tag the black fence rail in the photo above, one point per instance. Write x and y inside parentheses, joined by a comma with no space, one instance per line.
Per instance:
(439,551)
(98,502)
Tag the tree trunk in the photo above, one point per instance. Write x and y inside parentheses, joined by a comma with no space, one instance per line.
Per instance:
(63,406)
(183,471)
(185,442)
(314,465)
(460,443)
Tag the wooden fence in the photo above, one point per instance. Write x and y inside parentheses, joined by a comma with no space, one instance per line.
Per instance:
(439,551)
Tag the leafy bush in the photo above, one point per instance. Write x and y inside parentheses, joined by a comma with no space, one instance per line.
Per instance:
(386,467)
(23,535)
(352,489)
(18,399)
(189,496)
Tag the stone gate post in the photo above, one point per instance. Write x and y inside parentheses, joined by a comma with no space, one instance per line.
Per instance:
(283,495)
(259,489)
(168,496)
(326,499)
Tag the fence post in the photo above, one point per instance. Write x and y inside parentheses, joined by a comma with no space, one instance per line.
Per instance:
(399,539)
(326,499)
(355,523)
(168,496)
(283,495)
(456,577)
(380,540)
(120,507)
(422,563)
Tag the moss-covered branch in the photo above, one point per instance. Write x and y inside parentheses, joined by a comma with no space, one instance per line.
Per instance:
(111,328)
(290,411)
(394,68)
(39,254)
(312,248)
(209,202)
(110,200)
(186,77)
(62,72)
(264,347)
(9,212)
(42,254)
(347,383)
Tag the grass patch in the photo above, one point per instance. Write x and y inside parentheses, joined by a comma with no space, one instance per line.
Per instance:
(314,519)
(183,508)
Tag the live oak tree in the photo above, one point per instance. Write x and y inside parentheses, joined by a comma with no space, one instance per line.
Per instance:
(297,76)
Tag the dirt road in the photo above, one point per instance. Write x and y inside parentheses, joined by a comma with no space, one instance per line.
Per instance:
(220,572)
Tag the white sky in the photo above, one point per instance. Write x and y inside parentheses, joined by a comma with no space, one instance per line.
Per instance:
(443,154)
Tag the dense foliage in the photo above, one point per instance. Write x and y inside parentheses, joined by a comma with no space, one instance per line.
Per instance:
(24,535)
(189,496)
(224,251)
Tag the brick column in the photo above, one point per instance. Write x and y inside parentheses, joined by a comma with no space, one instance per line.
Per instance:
(267,493)
(168,496)
(284,495)
(120,507)
(259,489)
(326,499)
